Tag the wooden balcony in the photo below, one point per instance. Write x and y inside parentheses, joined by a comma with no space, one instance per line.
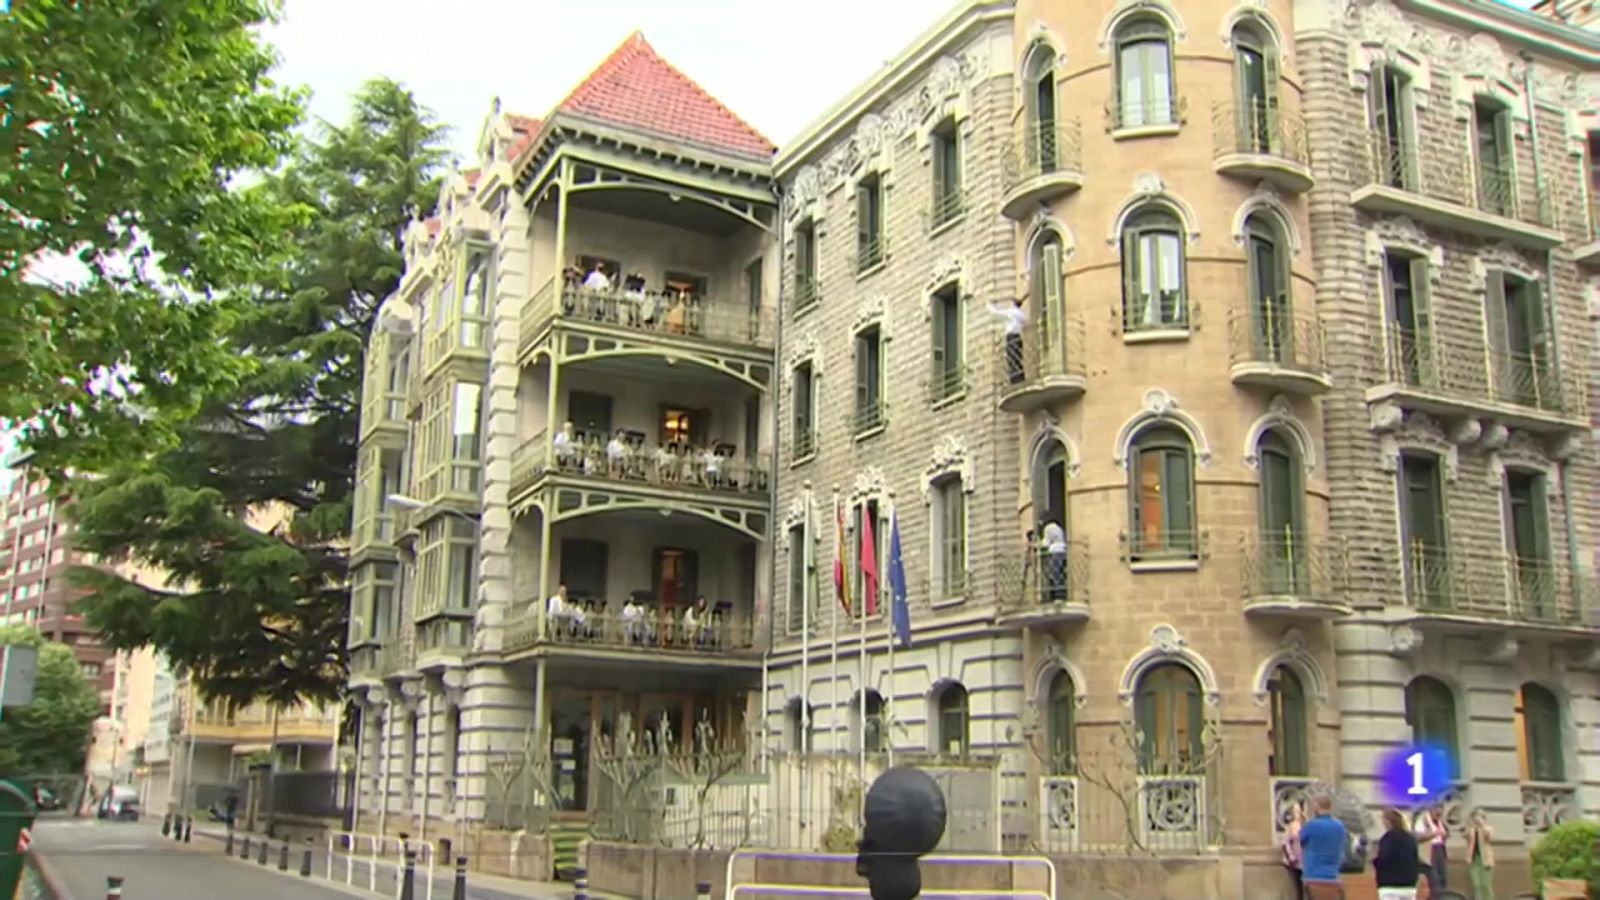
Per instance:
(1050,368)
(1294,575)
(1261,143)
(1042,587)
(1449,190)
(1279,354)
(1040,165)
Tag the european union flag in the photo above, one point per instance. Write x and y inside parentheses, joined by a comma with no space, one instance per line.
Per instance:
(897,585)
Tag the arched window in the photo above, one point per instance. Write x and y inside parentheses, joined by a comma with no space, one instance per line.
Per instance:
(1049,298)
(870,731)
(1271,310)
(1144,74)
(1170,714)
(953,722)
(1161,495)
(1255,75)
(1284,555)
(1060,726)
(1049,484)
(1431,713)
(1539,745)
(1153,289)
(1039,87)
(1290,752)
(801,728)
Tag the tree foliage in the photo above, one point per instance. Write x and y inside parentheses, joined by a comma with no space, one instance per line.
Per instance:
(123,123)
(249,513)
(50,735)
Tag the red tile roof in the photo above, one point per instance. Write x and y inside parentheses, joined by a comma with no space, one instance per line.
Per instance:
(472,175)
(635,88)
(524,127)
(432,223)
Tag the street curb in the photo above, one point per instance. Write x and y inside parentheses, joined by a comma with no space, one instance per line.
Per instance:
(294,874)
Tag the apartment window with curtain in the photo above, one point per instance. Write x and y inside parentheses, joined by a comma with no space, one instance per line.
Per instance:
(1493,153)
(807,290)
(1170,714)
(1145,94)
(1161,471)
(1528,540)
(949,511)
(1153,276)
(1422,528)
(802,403)
(869,407)
(946,147)
(870,243)
(1391,118)
(948,377)
(1409,323)
(1518,341)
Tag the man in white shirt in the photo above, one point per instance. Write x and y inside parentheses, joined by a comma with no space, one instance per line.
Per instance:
(713,467)
(559,611)
(1053,540)
(1016,319)
(597,280)
(616,454)
(632,621)
(565,445)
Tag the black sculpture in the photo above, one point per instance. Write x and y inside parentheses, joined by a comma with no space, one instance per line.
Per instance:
(905,817)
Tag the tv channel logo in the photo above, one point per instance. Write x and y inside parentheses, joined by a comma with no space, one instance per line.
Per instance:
(1415,775)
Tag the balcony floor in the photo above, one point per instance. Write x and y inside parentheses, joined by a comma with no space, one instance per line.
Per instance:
(1069,613)
(1444,214)
(1020,201)
(1282,173)
(1288,606)
(1301,382)
(1466,623)
(1041,392)
(1444,406)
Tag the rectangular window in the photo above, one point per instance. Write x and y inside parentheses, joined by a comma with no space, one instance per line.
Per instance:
(806,287)
(684,426)
(1389,110)
(1422,526)
(869,410)
(951,511)
(802,397)
(1492,154)
(1144,84)
(474,304)
(797,577)
(465,438)
(946,173)
(1410,332)
(1528,539)
(949,363)
(676,576)
(1153,274)
(1163,510)
(754,275)
(1518,342)
(869,222)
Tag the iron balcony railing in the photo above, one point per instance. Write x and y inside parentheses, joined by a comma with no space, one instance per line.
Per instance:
(644,630)
(1040,150)
(1162,545)
(1041,578)
(1292,564)
(869,416)
(1048,350)
(1269,334)
(1260,128)
(1457,178)
(871,253)
(947,206)
(946,381)
(807,293)
(1154,112)
(1472,374)
(1500,586)
(639,464)
(805,441)
(647,313)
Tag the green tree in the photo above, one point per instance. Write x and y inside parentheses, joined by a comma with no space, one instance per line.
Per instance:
(121,242)
(1569,850)
(250,512)
(50,735)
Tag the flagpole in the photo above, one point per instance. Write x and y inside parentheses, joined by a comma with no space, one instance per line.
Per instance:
(833,715)
(807,593)
(861,689)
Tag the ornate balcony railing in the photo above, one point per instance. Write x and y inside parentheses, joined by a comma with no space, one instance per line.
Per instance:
(1035,152)
(1456,178)
(1172,545)
(1260,129)
(869,417)
(946,381)
(646,631)
(807,293)
(1155,112)
(1041,579)
(1546,805)
(947,206)
(1270,335)
(647,313)
(871,253)
(640,464)
(1475,374)
(1531,379)
(1047,352)
(1498,586)
(1306,568)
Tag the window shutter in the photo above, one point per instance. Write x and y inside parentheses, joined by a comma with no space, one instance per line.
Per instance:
(1506,150)
(941,173)
(1538,335)
(1196,710)
(863,217)
(1179,501)
(863,375)
(1494,311)
(958,540)
(1296,760)
(1051,309)
(1377,105)
(1144,715)
(941,338)
(1545,733)
(1422,321)
(1132,303)
(952,164)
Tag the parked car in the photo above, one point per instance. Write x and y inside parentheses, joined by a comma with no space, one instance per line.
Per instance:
(44,799)
(119,804)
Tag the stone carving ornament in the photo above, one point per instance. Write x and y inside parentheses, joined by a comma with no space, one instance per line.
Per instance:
(949,456)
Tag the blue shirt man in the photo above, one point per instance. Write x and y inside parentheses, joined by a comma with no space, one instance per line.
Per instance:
(1324,839)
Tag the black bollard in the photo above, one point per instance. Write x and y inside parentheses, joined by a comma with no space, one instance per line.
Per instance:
(166,824)
(227,847)
(305,861)
(283,857)
(177,827)
(261,858)
(580,884)
(408,886)
(188,830)
(702,890)
(113,887)
(460,893)
(244,852)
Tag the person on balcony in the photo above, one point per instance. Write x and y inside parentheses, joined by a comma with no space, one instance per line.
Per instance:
(598,284)
(632,621)
(1016,320)
(566,446)
(1322,844)
(558,609)
(697,623)
(633,297)
(617,454)
(667,463)
(711,466)
(1053,540)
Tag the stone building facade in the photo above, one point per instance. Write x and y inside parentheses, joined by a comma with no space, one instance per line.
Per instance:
(1215,372)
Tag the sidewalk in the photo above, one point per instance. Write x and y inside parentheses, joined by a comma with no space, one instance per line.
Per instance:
(480,886)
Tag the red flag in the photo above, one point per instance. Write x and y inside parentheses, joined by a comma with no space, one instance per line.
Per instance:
(841,583)
(869,562)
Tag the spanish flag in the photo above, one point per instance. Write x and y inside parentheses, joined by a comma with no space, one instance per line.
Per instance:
(841,580)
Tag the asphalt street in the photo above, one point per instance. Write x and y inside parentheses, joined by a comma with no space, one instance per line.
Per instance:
(81,853)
